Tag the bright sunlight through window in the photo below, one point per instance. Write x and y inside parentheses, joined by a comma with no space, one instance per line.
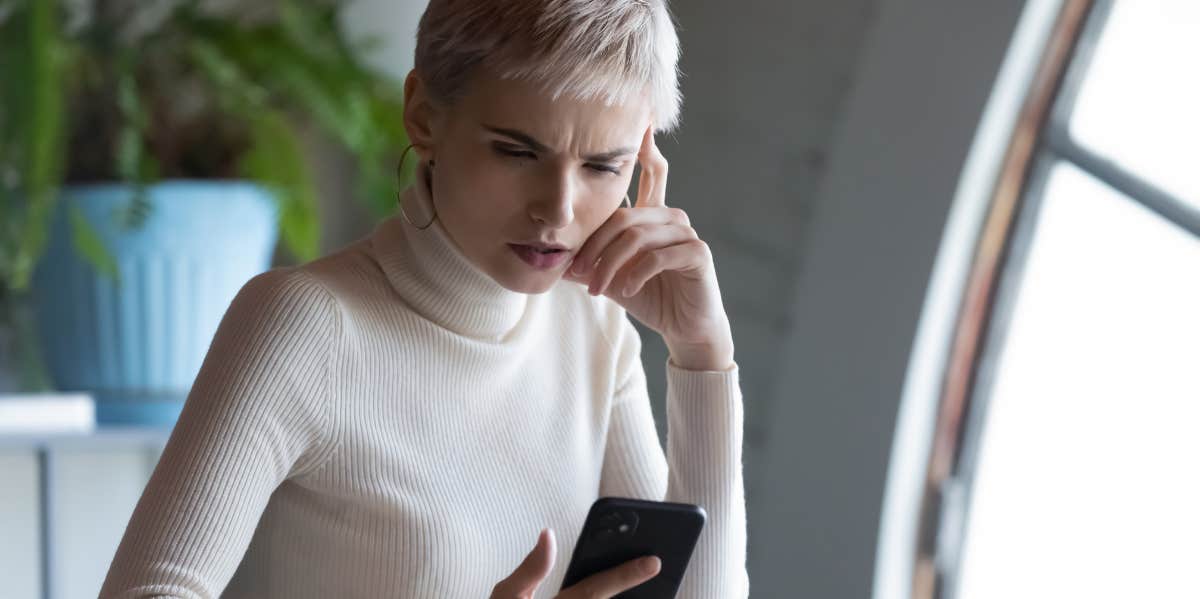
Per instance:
(1086,480)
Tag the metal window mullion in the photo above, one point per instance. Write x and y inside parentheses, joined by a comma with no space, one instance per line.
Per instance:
(1058,142)
(1025,225)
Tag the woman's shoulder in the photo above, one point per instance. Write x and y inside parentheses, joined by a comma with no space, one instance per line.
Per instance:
(283,311)
(336,278)
(289,295)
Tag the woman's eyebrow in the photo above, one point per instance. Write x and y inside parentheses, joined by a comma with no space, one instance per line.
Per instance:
(538,146)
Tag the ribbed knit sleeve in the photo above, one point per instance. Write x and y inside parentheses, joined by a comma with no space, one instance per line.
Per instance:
(702,465)
(257,413)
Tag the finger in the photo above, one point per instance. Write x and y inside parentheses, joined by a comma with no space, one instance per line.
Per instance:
(619,579)
(652,181)
(683,256)
(574,278)
(629,243)
(623,218)
(524,581)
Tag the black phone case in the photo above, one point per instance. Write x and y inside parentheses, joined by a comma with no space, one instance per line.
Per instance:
(668,530)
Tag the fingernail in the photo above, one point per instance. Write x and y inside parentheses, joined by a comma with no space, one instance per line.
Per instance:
(549,532)
(650,564)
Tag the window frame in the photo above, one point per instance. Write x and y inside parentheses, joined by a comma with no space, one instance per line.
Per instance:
(1041,140)
(998,254)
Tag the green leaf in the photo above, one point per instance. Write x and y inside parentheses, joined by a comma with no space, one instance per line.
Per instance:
(307,63)
(33,129)
(89,245)
(264,75)
(277,160)
(128,153)
(234,88)
(136,212)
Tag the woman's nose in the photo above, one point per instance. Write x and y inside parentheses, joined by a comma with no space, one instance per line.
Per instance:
(555,206)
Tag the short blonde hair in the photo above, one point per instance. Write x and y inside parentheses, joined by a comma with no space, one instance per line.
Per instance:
(615,50)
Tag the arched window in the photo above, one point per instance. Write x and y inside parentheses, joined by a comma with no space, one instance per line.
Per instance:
(1064,462)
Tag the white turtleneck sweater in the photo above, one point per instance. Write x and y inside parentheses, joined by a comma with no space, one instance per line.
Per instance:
(388,421)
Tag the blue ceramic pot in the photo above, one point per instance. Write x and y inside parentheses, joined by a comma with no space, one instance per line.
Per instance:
(138,345)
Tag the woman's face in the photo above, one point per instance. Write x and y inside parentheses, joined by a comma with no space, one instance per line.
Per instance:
(514,167)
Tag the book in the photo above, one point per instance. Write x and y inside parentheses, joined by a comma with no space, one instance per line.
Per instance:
(49,412)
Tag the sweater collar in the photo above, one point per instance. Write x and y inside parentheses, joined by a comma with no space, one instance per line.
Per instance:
(431,274)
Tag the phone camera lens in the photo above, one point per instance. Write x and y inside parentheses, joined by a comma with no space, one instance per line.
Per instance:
(616,523)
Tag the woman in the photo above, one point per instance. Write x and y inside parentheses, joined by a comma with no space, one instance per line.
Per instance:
(407,416)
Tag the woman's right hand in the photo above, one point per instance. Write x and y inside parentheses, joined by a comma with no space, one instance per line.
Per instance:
(524,581)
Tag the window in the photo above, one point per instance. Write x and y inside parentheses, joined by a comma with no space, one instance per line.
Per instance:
(1073,458)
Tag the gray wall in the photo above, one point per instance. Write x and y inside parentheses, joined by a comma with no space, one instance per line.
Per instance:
(764,84)
(920,88)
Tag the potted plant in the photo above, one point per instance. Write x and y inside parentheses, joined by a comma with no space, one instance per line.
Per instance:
(150,160)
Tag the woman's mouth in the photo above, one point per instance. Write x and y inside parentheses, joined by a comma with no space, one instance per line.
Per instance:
(540,259)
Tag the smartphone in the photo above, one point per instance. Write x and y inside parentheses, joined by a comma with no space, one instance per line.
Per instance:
(620,529)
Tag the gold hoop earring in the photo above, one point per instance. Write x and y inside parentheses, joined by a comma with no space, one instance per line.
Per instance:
(400,194)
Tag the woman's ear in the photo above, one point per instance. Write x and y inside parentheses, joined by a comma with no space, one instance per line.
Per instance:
(420,115)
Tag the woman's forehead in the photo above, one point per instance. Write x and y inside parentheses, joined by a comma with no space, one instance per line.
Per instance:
(564,124)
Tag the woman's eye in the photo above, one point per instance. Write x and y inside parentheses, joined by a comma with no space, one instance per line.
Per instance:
(605,168)
(518,153)
(514,152)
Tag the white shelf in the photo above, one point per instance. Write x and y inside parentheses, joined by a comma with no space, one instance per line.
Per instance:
(102,435)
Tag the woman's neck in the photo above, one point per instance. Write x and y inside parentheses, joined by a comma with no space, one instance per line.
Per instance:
(433,276)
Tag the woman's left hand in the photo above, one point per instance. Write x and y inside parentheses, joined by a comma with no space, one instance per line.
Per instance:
(652,263)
